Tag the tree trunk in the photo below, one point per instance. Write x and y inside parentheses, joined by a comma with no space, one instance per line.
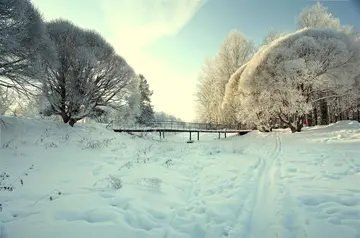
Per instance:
(309,118)
(292,128)
(315,116)
(324,115)
(299,124)
(65,117)
(72,122)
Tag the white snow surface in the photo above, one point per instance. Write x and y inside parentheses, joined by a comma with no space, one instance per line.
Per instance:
(106,184)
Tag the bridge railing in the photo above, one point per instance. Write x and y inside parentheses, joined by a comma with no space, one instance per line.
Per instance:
(182,125)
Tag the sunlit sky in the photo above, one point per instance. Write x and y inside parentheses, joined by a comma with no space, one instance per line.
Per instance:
(168,40)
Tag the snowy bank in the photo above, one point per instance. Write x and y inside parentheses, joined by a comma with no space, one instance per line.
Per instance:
(88,181)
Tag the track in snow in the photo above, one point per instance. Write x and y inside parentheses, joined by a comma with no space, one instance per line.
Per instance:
(264,215)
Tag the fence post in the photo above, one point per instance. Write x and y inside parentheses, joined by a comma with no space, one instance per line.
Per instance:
(198,135)
(190,135)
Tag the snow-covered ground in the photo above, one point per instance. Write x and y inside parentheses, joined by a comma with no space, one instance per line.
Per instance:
(91,182)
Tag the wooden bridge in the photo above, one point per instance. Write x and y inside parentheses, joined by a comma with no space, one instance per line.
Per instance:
(171,126)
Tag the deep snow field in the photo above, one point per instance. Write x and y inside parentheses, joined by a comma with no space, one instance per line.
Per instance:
(90,182)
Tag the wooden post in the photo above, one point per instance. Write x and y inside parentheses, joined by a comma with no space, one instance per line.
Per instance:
(198,135)
(219,135)
(163,134)
(225,134)
(190,135)
(160,134)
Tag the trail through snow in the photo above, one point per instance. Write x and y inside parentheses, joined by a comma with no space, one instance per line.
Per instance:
(116,185)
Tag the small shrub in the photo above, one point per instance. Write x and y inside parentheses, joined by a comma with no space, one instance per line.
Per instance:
(111,182)
(64,138)
(54,194)
(128,165)
(10,186)
(43,135)
(96,144)
(115,183)
(51,145)
(168,163)
(149,182)
(6,144)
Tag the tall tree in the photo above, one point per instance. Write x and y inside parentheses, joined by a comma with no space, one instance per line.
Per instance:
(146,109)
(24,45)
(317,16)
(235,51)
(89,73)
(281,80)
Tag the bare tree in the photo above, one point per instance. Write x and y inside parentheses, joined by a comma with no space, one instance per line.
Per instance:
(89,74)
(24,45)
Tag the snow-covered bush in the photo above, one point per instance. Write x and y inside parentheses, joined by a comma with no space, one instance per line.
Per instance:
(87,143)
(110,181)
(280,81)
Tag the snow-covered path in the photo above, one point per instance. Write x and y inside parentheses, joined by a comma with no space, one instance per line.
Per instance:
(258,185)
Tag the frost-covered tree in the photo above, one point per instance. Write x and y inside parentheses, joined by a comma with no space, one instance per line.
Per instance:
(271,36)
(163,116)
(24,45)
(89,73)
(205,103)
(146,109)
(6,99)
(281,80)
(231,103)
(317,16)
(128,113)
(235,51)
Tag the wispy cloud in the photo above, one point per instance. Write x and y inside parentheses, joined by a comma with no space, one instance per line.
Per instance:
(134,25)
(139,22)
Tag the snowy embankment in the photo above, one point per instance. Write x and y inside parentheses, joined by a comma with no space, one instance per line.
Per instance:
(58,181)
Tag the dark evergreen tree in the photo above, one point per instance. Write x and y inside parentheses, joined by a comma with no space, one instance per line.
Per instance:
(146,109)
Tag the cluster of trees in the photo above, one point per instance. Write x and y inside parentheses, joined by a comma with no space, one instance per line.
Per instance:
(66,70)
(311,75)
(163,116)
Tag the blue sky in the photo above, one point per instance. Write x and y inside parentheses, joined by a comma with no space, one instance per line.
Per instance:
(168,40)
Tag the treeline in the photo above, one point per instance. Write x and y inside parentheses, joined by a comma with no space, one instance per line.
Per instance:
(58,68)
(310,76)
